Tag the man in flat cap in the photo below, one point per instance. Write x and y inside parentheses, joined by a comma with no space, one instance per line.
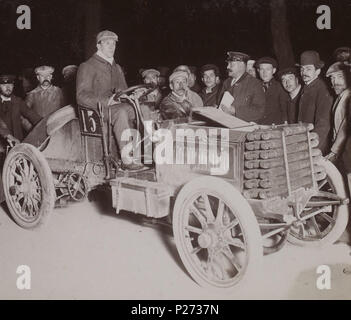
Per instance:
(69,74)
(45,98)
(181,100)
(275,95)
(98,79)
(340,81)
(244,91)
(290,79)
(210,78)
(11,110)
(316,101)
(153,99)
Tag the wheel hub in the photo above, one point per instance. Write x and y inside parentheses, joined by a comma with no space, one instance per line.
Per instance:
(210,238)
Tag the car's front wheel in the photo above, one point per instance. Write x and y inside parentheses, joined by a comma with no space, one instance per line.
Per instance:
(216,233)
(28,185)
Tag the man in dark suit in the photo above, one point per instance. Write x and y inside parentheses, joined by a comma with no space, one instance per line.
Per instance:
(245,91)
(290,80)
(11,110)
(274,92)
(316,101)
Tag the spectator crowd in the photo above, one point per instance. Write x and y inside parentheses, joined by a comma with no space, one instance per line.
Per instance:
(256,91)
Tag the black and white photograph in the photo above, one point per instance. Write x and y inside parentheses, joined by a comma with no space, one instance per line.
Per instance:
(175,150)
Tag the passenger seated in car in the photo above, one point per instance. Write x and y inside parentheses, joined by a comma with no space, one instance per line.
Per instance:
(181,100)
(153,99)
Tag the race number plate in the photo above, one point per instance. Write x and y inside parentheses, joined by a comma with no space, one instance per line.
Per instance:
(89,122)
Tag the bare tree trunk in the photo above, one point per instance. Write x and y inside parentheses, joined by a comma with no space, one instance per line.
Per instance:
(280,32)
(92,13)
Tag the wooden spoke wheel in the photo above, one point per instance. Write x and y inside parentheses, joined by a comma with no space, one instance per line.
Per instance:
(326,215)
(28,185)
(216,233)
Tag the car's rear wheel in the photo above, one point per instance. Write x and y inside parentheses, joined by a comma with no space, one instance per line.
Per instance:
(331,219)
(216,233)
(28,185)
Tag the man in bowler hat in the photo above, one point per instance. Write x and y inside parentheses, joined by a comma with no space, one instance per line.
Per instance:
(316,101)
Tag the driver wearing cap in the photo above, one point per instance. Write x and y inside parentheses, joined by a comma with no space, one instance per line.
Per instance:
(98,79)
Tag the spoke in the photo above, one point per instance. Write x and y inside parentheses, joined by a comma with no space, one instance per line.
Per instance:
(80,190)
(25,168)
(236,242)
(208,209)
(193,229)
(322,184)
(327,217)
(229,254)
(220,211)
(30,207)
(36,196)
(302,229)
(231,225)
(18,177)
(35,205)
(315,226)
(25,203)
(196,250)
(198,215)
(20,196)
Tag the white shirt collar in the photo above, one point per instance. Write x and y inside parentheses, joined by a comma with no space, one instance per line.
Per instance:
(101,55)
(3,98)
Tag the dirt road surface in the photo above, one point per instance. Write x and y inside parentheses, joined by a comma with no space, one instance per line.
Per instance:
(86,251)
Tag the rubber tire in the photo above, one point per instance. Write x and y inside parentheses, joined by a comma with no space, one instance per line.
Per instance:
(244,214)
(342,214)
(46,180)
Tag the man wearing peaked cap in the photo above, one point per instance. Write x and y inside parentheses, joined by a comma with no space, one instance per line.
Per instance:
(245,91)
(45,98)
(340,151)
(98,80)
(275,95)
(315,102)
(290,80)
(11,110)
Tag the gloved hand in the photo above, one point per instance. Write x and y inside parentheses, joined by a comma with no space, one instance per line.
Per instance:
(12,141)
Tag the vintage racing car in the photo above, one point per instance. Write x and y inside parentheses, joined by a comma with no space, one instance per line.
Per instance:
(274,186)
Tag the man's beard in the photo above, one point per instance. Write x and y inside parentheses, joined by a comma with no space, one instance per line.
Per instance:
(339,89)
(6,93)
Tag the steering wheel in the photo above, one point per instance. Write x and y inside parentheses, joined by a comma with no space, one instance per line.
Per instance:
(150,87)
